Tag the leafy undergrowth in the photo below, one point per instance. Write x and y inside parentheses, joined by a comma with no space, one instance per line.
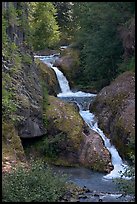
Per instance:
(36,183)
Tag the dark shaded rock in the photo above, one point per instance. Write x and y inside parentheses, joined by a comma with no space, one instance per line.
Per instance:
(47,52)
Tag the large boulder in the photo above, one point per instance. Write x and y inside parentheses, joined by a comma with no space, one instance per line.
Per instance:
(114,107)
(29,91)
(64,120)
(94,154)
(75,143)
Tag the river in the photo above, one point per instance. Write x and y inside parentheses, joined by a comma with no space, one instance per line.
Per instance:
(99,183)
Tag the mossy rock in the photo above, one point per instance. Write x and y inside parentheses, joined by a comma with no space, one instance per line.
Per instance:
(114,107)
(66,142)
(65,118)
(11,143)
(49,77)
(64,133)
(124,134)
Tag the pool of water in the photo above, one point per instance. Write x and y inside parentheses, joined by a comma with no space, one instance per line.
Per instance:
(86,177)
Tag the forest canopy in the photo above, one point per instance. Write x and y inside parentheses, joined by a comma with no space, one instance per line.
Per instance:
(103,32)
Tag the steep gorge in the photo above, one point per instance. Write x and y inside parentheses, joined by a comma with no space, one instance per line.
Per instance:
(32,82)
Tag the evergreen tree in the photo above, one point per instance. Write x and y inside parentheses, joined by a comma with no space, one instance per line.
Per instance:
(97,34)
(43,24)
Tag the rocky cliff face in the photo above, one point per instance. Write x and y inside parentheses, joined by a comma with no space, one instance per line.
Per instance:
(114,107)
(30,102)
(28,97)
(23,74)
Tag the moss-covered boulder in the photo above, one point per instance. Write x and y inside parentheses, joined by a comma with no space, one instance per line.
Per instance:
(49,78)
(69,142)
(114,107)
(12,150)
(63,119)
(68,63)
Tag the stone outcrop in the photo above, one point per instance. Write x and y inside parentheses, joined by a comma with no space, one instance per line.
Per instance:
(114,107)
(76,144)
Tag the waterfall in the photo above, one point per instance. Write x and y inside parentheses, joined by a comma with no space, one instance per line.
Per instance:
(89,118)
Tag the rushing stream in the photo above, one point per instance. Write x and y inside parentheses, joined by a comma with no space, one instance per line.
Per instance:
(83,100)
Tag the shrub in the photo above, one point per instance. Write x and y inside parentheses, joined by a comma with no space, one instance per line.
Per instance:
(127,186)
(36,184)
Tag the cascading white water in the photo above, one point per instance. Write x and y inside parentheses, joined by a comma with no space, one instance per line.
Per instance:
(119,166)
(63,82)
(89,118)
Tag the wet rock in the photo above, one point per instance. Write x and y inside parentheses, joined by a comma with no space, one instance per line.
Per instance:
(100,200)
(46,52)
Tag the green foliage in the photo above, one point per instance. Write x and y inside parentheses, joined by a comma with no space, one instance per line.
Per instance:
(36,184)
(43,24)
(12,15)
(8,103)
(64,19)
(128,186)
(4,34)
(96,31)
(15,58)
(26,58)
